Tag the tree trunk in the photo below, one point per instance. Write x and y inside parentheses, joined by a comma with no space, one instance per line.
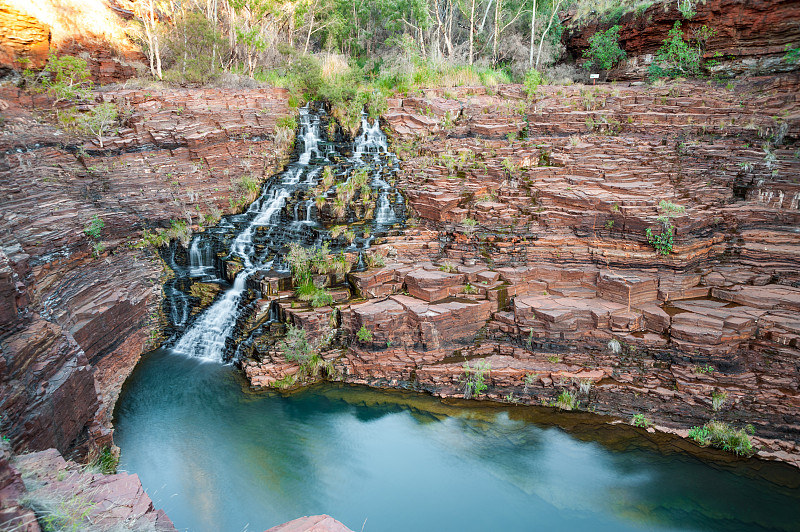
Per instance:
(471,32)
(556,5)
(497,8)
(533,34)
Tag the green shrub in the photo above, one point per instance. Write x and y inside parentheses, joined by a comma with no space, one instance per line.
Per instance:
(663,242)
(364,335)
(322,298)
(722,436)
(375,260)
(195,46)
(533,78)
(295,346)
(604,51)
(97,121)
(65,78)
(677,56)
(474,378)
(289,122)
(687,8)
(94,227)
(792,55)
(306,290)
(179,230)
(106,461)
(640,420)
(718,400)
(567,400)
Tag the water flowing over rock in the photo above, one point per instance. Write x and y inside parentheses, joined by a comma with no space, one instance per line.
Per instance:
(284,213)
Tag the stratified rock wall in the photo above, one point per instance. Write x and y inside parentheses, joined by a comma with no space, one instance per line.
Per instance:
(546,235)
(751,35)
(74,317)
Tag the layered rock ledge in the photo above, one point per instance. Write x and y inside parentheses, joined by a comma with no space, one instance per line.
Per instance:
(528,249)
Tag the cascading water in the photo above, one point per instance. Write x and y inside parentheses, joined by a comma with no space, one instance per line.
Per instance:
(287,210)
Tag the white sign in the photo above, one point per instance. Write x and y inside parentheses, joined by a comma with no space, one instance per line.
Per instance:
(594,76)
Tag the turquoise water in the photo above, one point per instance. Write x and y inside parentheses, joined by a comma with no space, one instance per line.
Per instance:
(216,457)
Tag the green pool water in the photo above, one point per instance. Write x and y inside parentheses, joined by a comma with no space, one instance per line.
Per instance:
(217,457)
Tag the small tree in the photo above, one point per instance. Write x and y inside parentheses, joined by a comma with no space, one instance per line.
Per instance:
(604,51)
(98,121)
(679,57)
(65,78)
(295,346)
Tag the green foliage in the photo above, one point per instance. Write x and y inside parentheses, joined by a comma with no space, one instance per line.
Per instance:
(567,400)
(94,227)
(475,378)
(533,78)
(65,78)
(470,225)
(178,230)
(289,122)
(60,511)
(604,51)
(98,120)
(322,298)
(364,335)
(106,461)
(718,400)
(448,267)
(663,242)
(792,55)
(195,45)
(679,57)
(375,260)
(295,346)
(306,290)
(700,370)
(687,8)
(722,436)
(640,420)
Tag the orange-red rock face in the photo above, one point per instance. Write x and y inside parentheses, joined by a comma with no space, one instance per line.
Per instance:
(751,35)
(91,29)
(23,37)
(72,326)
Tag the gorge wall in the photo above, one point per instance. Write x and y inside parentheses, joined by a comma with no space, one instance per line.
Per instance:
(527,248)
(75,317)
(751,36)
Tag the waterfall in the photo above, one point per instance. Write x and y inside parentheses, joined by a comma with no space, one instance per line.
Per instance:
(384,215)
(256,239)
(371,139)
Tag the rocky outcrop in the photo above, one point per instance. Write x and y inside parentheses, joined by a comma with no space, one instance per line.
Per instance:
(532,255)
(750,37)
(72,496)
(77,310)
(13,516)
(92,29)
(24,38)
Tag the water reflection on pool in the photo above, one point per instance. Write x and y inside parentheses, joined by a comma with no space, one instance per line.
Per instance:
(219,458)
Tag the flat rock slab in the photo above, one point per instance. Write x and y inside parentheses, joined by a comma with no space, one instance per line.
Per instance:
(314,523)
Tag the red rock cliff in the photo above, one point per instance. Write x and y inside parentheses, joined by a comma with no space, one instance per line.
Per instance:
(751,35)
